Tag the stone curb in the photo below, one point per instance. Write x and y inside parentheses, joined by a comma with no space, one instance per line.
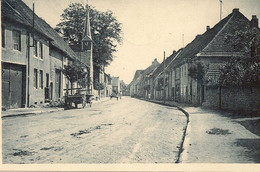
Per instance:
(34,112)
(31,112)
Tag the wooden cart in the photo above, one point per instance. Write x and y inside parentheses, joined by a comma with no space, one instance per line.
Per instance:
(80,97)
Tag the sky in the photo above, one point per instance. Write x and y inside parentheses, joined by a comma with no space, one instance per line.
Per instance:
(151,27)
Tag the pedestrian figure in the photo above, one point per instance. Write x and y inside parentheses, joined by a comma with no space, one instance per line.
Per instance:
(120,94)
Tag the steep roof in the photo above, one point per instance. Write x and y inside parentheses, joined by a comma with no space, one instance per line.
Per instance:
(237,21)
(154,65)
(87,32)
(167,62)
(17,11)
(138,73)
(213,40)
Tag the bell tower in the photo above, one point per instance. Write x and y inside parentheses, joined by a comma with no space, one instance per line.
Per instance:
(87,47)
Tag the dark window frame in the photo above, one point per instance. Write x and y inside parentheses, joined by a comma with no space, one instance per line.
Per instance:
(41,79)
(35,78)
(47,80)
(3,36)
(16,36)
(35,49)
(41,50)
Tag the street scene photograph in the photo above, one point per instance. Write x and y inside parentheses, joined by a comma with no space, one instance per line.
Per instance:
(130,82)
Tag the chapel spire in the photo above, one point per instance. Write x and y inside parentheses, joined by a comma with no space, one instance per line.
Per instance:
(87,31)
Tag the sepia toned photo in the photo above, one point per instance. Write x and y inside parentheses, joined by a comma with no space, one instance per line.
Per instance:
(130,82)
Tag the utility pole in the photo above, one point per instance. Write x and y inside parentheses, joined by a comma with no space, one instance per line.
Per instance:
(220,9)
(28,55)
(164,85)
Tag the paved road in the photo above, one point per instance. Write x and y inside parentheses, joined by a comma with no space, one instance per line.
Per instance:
(124,131)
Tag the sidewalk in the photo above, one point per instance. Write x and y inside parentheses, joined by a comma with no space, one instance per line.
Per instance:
(28,111)
(39,110)
(215,137)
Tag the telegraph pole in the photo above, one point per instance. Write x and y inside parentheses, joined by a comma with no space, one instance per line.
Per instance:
(164,85)
(220,9)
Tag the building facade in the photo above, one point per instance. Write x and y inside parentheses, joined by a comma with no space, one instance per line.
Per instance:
(32,58)
(187,75)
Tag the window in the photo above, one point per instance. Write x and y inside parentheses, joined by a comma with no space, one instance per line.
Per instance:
(35,48)
(35,78)
(47,80)
(3,36)
(86,46)
(41,79)
(17,40)
(41,51)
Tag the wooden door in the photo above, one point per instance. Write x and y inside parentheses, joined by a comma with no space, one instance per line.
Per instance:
(57,84)
(13,79)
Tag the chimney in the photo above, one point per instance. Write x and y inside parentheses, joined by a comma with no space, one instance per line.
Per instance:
(208,28)
(155,61)
(235,10)
(254,21)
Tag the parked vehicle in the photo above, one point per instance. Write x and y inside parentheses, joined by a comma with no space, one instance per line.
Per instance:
(115,95)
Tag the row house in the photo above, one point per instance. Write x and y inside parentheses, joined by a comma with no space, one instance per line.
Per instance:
(33,56)
(108,85)
(140,86)
(123,87)
(159,79)
(181,76)
(209,51)
(134,84)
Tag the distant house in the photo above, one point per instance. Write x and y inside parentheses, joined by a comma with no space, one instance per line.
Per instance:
(123,87)
(115,84)
(32,58)
(108,85)
(133,84)
(159,79)
(140,86)
(144,83)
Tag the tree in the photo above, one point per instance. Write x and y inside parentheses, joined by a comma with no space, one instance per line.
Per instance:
(76,72)
(243,72)
(197,72)
(106,31)
(98,85)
